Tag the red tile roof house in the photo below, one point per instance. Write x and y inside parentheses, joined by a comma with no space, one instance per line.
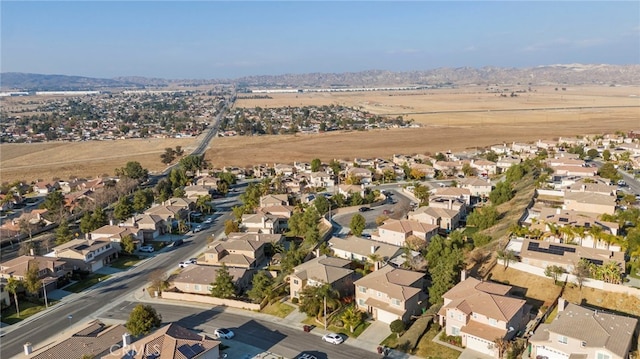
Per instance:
(578,332)
(169,342)
(391,293)
(95,340)
(480,312)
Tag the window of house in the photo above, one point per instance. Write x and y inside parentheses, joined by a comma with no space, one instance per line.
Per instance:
(451,314)
(395,302)
(562,339)
(361,302)
(196,287)
(209,288)
(362,289)
(475,316)
(493,322)
(460,317)
(583,344)
(603,356)
(379,294)
(186,286)
(295,281)
(455,331)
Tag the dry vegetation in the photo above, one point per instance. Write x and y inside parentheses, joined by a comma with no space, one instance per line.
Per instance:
(488,124)
(542,289)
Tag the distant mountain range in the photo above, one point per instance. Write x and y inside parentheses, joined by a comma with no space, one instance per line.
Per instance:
(570,74)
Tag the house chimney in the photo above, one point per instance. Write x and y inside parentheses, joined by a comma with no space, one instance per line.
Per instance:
(463,275)
(126,340)
(111,222)
(558,210)
(450,203)
(257,237)
(583,188)
(31,251)
(562,303)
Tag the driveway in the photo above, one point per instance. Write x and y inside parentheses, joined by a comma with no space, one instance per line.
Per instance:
(375,334)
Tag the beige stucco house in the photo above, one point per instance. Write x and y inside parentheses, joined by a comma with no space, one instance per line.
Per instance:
(197,279)
(391,293)
(86,255)
(578,332)
(323,270)
(396,232)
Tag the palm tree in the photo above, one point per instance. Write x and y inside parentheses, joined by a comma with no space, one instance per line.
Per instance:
(567,233)
(502,345)
(352,317)
(507,256)
(12,287)
(596,233)
(375,259)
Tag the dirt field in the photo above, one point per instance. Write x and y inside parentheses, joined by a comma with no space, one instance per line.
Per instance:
(542,289)
(528,119)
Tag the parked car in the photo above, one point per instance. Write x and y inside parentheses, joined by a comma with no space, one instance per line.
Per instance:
(332,338)
(187,262)
(208,220)
(364,209)
(223,333)
(148,249)
(177,242)
(386,211)
(198,229)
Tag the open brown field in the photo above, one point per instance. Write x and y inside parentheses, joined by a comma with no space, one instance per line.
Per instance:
(487,123)
(50,160)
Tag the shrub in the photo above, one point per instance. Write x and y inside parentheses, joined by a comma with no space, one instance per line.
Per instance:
(397,326)
(294,300)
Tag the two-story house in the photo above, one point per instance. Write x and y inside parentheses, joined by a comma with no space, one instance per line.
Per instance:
(241,253)
(391,293)
(85,255)
(578,332)
(362,249)
(396,232)
(50,270)
(480,312)
(197,279)
(323,270)
(445,218)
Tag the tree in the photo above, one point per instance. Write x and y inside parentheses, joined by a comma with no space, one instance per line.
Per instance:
(203,203)
(581,272)
(352,317)
(356,199)
(316,164)
(192,163)
(445,259)
(222,286)
(12,287)
(507,256)
(422,194)
(554,272)
(63,233)
(127,244)
(231,226)
(142,200)
(592,152)
(134,170)
(502,193)
(357,224)
(32,282)
(168,156)
(502,345)
(322,204)
(312,299)
(158,280)
(142,320)
(26,227)
(260,286)
(54,203)
(606,155)
(397,327)
(123,209)
(483,217)
(467,170)
(86,223)
(609,171)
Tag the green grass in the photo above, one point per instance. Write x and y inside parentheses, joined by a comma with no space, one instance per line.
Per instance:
(552,315)
(125,262)
(81,285)
(469,231)
(391,341)
(341,330)
(278,309)
(27,309)
(427,348)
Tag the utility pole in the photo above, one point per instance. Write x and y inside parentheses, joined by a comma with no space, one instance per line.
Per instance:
(44,287)
(325,312)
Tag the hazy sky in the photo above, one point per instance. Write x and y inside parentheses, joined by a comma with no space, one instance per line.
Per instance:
(230,39)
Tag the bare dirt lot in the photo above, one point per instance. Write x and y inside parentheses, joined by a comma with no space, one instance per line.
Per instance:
(452,119)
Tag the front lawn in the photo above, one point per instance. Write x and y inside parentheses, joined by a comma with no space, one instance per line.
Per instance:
(278,309)
(125,262)
(83,284)
(336,329)
(427,348)
(27,309)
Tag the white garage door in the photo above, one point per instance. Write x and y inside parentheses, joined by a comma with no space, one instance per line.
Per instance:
(544,352)
(97,265)
(386,317)
(479,345)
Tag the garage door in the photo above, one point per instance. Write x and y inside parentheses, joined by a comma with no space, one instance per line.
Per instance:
(386,317)
(544,352)
(479,345)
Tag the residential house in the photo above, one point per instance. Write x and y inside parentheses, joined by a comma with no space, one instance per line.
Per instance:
(262,222)
(423,168)
(505,162)
(195,191)
(575,171)
(397,232)
(477,187)
(349,189)
(389,293)
(320,180)
(361,249)
(323,270)
(501,149)
(543,253)
(589,202)
(197,279)
(5,299)
(362,174)
(149,226)
(43,187)
(447,219)
(115,234)
(243,253)
(462,194)
(282,169)
(274,200)
(448,168)
(207,181)
(170,342)
(85,255)
(579,332)
(479,312)
(523,147)
(51,271)
(484,167)
(95,340)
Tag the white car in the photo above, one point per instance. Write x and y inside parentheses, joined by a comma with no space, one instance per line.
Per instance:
(223,333)
(148,249)
(187,262)
(208,220)
(198,229)
(332,338)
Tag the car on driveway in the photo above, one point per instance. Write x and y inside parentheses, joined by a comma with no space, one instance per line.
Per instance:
(332,338)
(187,262)
(223,333)
(148,249)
